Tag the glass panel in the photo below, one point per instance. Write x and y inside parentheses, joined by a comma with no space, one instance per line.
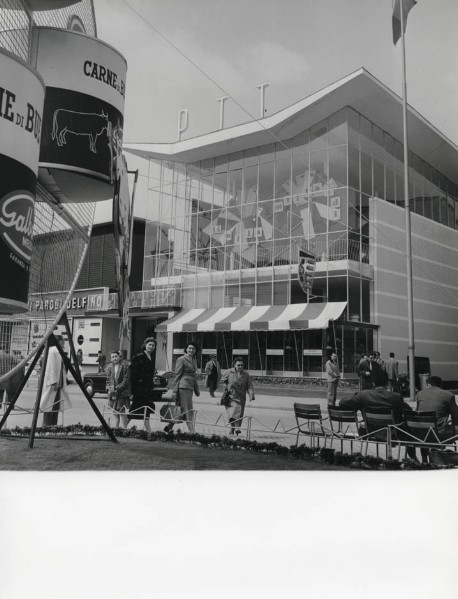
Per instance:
(365,137)
(234,183)
(399,151)
(379,179)
(282,218)
(353,168)
(338,289)
(428,204)
(366,174)
(337,216)
(207,191)
(417,203)
(235,161)
(250,184)
(389,150)
(264,294)
(251,157)
(319,170)
(353,210)
(399,179)
(436,206)
(365,299)
(353,128)
(282,253)
(267,153)
(338,128)
(319,136)
(389,190)
(283,174)
(220,189)
(300,174)
(221,164)
(266,181)
(444,209)
(264,255)
(364,218)
(354,303)
(378,143)
(338,166)
(204,230)
(301,143)
(451,211)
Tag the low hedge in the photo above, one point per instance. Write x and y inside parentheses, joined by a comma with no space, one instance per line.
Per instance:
(302,452)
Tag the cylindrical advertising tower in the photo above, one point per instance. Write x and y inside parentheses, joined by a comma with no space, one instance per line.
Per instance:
(83,112)
(21,108)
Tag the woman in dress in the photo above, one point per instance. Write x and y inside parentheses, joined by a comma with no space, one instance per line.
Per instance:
(142,382)
(118,387)
(185,384)
(238,383)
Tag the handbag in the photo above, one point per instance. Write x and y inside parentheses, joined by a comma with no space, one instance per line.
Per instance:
(225,397)
(170,413)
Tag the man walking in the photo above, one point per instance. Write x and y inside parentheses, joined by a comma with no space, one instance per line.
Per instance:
(392,370)
(332,376)
(213,372)
(101,360)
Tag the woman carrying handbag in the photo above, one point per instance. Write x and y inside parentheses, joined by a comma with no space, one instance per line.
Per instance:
(238,383)
(184,385)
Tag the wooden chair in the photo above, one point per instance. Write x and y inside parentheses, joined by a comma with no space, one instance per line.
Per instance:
(344,425)
(309,422)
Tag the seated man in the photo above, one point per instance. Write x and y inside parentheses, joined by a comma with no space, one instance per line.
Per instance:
(436,399)
(379,397)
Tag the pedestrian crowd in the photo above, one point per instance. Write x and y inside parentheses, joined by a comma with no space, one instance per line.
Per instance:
(130,386)
(130,389)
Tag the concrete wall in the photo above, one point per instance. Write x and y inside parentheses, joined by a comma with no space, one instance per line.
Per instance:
(435,287)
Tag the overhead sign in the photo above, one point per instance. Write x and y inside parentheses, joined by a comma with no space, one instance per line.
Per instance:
(83,112)
(21,108)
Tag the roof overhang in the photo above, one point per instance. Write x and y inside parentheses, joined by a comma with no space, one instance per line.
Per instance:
(359,90)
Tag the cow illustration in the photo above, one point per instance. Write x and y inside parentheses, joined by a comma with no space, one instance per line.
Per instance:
(79,123)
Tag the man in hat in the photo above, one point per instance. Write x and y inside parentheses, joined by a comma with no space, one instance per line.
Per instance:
(213,372)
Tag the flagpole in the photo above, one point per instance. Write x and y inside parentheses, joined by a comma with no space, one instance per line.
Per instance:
(411,348)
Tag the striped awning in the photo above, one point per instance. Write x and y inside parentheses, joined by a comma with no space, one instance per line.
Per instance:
(254,318)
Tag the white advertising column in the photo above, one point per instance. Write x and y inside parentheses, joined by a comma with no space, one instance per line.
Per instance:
(83,112)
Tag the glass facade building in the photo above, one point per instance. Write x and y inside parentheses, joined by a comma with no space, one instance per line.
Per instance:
(226,231)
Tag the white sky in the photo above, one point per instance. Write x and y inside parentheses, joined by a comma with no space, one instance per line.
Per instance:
(300,46)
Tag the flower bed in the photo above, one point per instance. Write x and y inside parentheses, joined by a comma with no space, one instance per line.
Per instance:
(325,455)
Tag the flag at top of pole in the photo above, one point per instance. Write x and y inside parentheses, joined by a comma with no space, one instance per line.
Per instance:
(407,5)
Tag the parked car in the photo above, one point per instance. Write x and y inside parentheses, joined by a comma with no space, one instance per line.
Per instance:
(95,382)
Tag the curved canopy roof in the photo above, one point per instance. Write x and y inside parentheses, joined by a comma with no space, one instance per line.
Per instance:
(359,90)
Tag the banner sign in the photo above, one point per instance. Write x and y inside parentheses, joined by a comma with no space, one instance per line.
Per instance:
(21,107)
(83,110)
(306,271)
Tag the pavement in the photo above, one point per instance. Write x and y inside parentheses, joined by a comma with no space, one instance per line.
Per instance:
(270,418)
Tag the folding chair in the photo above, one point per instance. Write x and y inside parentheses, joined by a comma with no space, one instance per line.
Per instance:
(421,428)
(344,425)
(380,428)
(311,414)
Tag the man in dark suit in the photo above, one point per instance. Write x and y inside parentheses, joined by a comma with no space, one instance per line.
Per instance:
(379,397)
(213,372)
(369,370)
